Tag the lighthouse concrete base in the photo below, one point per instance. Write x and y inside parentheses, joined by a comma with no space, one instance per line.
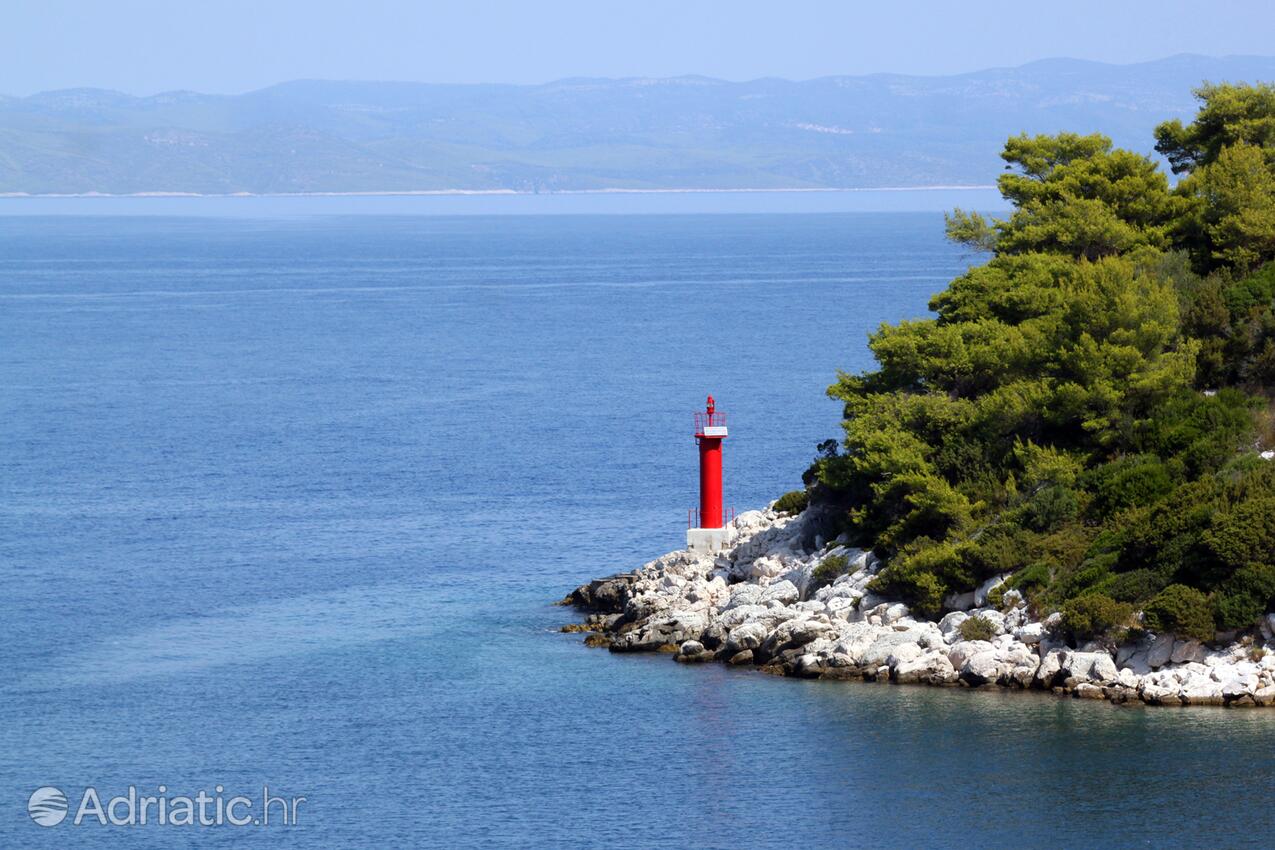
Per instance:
(708,540)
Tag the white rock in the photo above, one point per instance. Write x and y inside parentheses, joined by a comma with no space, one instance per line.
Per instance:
(931,666)
(982,667)
(784,592)
(752,613)
(743,594)
(766,567)
(880,650)
(904,653)
(963,650)
(893,613)
(746,636)
(1050,665)
(959,601)
(1094,667)
(950,625)
(839,606)
(1239,686)
(1201,690)
(1029,634)
(1158,693)
(794,633)
(854,641)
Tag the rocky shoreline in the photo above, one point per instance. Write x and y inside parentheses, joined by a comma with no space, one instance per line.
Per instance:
(759,604)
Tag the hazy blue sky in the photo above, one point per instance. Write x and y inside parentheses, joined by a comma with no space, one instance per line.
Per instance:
(145,46)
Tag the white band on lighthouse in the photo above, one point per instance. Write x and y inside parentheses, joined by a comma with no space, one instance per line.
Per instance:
(714,431)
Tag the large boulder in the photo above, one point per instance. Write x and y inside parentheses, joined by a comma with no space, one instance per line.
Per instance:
(1093,667)
(766,615)
(1160,651)
(792,634)
(1185,651)
(963,650)
(1050,666)
(1029,634)
(931,667)
(782,592)
(765,568)
(746,636)
(893,613)
(950,625)
(605,595)
(903,653)
(981,667)
(854,641)
(1202,690)
(878,652)
(743,594)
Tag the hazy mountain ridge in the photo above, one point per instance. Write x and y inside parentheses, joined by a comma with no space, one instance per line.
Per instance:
(582,133)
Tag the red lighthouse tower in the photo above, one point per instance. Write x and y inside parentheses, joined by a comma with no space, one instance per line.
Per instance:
(707,531)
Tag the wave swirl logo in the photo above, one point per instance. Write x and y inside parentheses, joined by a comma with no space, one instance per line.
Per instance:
(47,806)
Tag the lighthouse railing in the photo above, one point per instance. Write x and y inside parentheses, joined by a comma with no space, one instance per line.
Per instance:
(693,517)
(709,420)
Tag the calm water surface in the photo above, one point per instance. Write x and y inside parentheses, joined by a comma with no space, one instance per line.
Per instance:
(286,502)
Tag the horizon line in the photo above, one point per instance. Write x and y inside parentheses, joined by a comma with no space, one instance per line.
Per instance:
(686,76)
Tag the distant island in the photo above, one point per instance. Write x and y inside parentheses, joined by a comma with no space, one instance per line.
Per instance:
(1063,480)
(684,133)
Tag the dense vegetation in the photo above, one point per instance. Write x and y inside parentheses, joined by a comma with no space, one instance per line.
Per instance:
(1085,411)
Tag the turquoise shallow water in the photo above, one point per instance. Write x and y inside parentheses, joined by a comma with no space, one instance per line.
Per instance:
(286,501)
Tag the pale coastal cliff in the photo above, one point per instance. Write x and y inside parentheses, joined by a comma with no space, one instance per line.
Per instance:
(760,603)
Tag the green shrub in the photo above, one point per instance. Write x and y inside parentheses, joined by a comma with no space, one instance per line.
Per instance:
(1137,585)
(997,551)
(922,575)
(1032,577)
(977,628)
(1245,596)
(1128,482)
(1182,610)
(1049,508)
(1095,615)
(1245,534)
(793,502)
(827,571)
(1091,576)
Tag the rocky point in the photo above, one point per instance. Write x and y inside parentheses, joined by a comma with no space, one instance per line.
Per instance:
(759,604)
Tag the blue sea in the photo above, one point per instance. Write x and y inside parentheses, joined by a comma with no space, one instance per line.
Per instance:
(287,502)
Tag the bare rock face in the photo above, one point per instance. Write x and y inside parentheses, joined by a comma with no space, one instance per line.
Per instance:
(756,605)
(1160,651)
